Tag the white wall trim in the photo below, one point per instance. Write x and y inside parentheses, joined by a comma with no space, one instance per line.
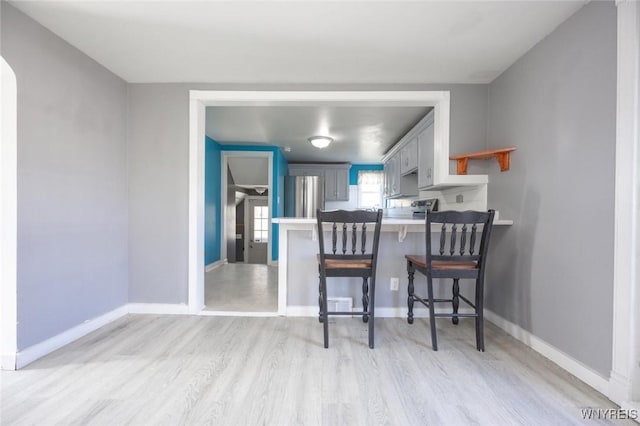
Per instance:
(158,308)
(200,99)
(224,165)
(625,372)
(197,115)
(8,216)
(41,349)
(37,351)
(213,265)
(550,352)
(248,227)
(206,313)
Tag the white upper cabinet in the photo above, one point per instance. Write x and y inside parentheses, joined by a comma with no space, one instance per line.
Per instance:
(336,184)
(336,178)
(425,157)
(420,159)
(397,185)
(409,157)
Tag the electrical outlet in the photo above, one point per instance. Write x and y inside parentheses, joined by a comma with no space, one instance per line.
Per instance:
(395,283)
(459,198)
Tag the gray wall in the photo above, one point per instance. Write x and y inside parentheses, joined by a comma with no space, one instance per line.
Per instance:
(552,272)
(72,182)
(158,139)
(158,166)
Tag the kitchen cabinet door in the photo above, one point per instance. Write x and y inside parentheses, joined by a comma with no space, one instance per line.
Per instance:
(330,185)
(342,185)
(409,157)
(426,158)
(336,184)
(394,176)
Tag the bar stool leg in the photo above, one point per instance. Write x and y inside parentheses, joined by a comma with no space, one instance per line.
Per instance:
(320,317)
(455,301)
(411,271)
(372,315)
(325,316)
(432,314)
(480,314)
(365,298)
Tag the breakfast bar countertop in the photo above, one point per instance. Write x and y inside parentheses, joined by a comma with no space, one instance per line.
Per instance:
(385,221)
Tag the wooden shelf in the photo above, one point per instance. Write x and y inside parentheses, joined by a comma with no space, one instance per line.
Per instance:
(501,155)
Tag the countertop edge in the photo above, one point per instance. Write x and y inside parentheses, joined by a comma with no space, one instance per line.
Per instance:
(385,221)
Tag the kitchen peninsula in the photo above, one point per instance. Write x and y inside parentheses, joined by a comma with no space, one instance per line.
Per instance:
(298,269)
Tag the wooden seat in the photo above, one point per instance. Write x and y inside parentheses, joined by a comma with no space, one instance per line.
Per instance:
(460,260)
(421,261)
(345,263)
(356,257)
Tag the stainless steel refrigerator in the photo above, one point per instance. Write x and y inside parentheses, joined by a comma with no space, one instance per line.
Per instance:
(303,195)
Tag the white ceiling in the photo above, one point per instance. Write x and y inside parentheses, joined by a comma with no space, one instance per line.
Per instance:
(361,134)
(307,42)
(303,41)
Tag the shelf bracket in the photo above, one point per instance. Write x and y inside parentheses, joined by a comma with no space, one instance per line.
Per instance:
(402,233)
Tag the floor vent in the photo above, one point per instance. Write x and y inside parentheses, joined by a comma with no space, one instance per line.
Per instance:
(339,304)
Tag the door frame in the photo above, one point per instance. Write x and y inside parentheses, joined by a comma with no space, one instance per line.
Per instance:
(223,193)
(247,218)
(200,99)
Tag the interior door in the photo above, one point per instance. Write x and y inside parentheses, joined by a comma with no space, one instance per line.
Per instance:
(258,230)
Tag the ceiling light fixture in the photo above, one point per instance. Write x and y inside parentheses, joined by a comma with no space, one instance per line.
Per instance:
(320,141)
(260,189)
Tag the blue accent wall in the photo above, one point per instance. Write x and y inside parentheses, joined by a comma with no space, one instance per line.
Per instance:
(212,201)
(280,168)
(355,168)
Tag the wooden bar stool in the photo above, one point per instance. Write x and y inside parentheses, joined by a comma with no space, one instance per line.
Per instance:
(359,260)
(457,261)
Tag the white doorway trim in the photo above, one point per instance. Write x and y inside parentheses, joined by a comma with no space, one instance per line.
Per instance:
(224,166)
(200,99)
(247,219)
(624,385)
(8,217)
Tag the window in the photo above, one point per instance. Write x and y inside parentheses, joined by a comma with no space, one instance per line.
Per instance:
(370,189)
(260,224)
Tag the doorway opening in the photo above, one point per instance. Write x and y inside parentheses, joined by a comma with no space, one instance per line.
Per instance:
(246,282)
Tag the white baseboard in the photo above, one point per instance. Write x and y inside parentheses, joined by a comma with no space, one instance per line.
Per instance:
(158,308)
(41,349)
(302,311)
(32,353)
(210,267)
(619,388)
(550,352)
(205,313)
(8,361)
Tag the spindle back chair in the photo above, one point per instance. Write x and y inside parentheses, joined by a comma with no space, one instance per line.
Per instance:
(460,255)
(355,256)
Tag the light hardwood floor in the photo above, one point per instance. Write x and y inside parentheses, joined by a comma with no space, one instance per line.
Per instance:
(170,370)
(242,287)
